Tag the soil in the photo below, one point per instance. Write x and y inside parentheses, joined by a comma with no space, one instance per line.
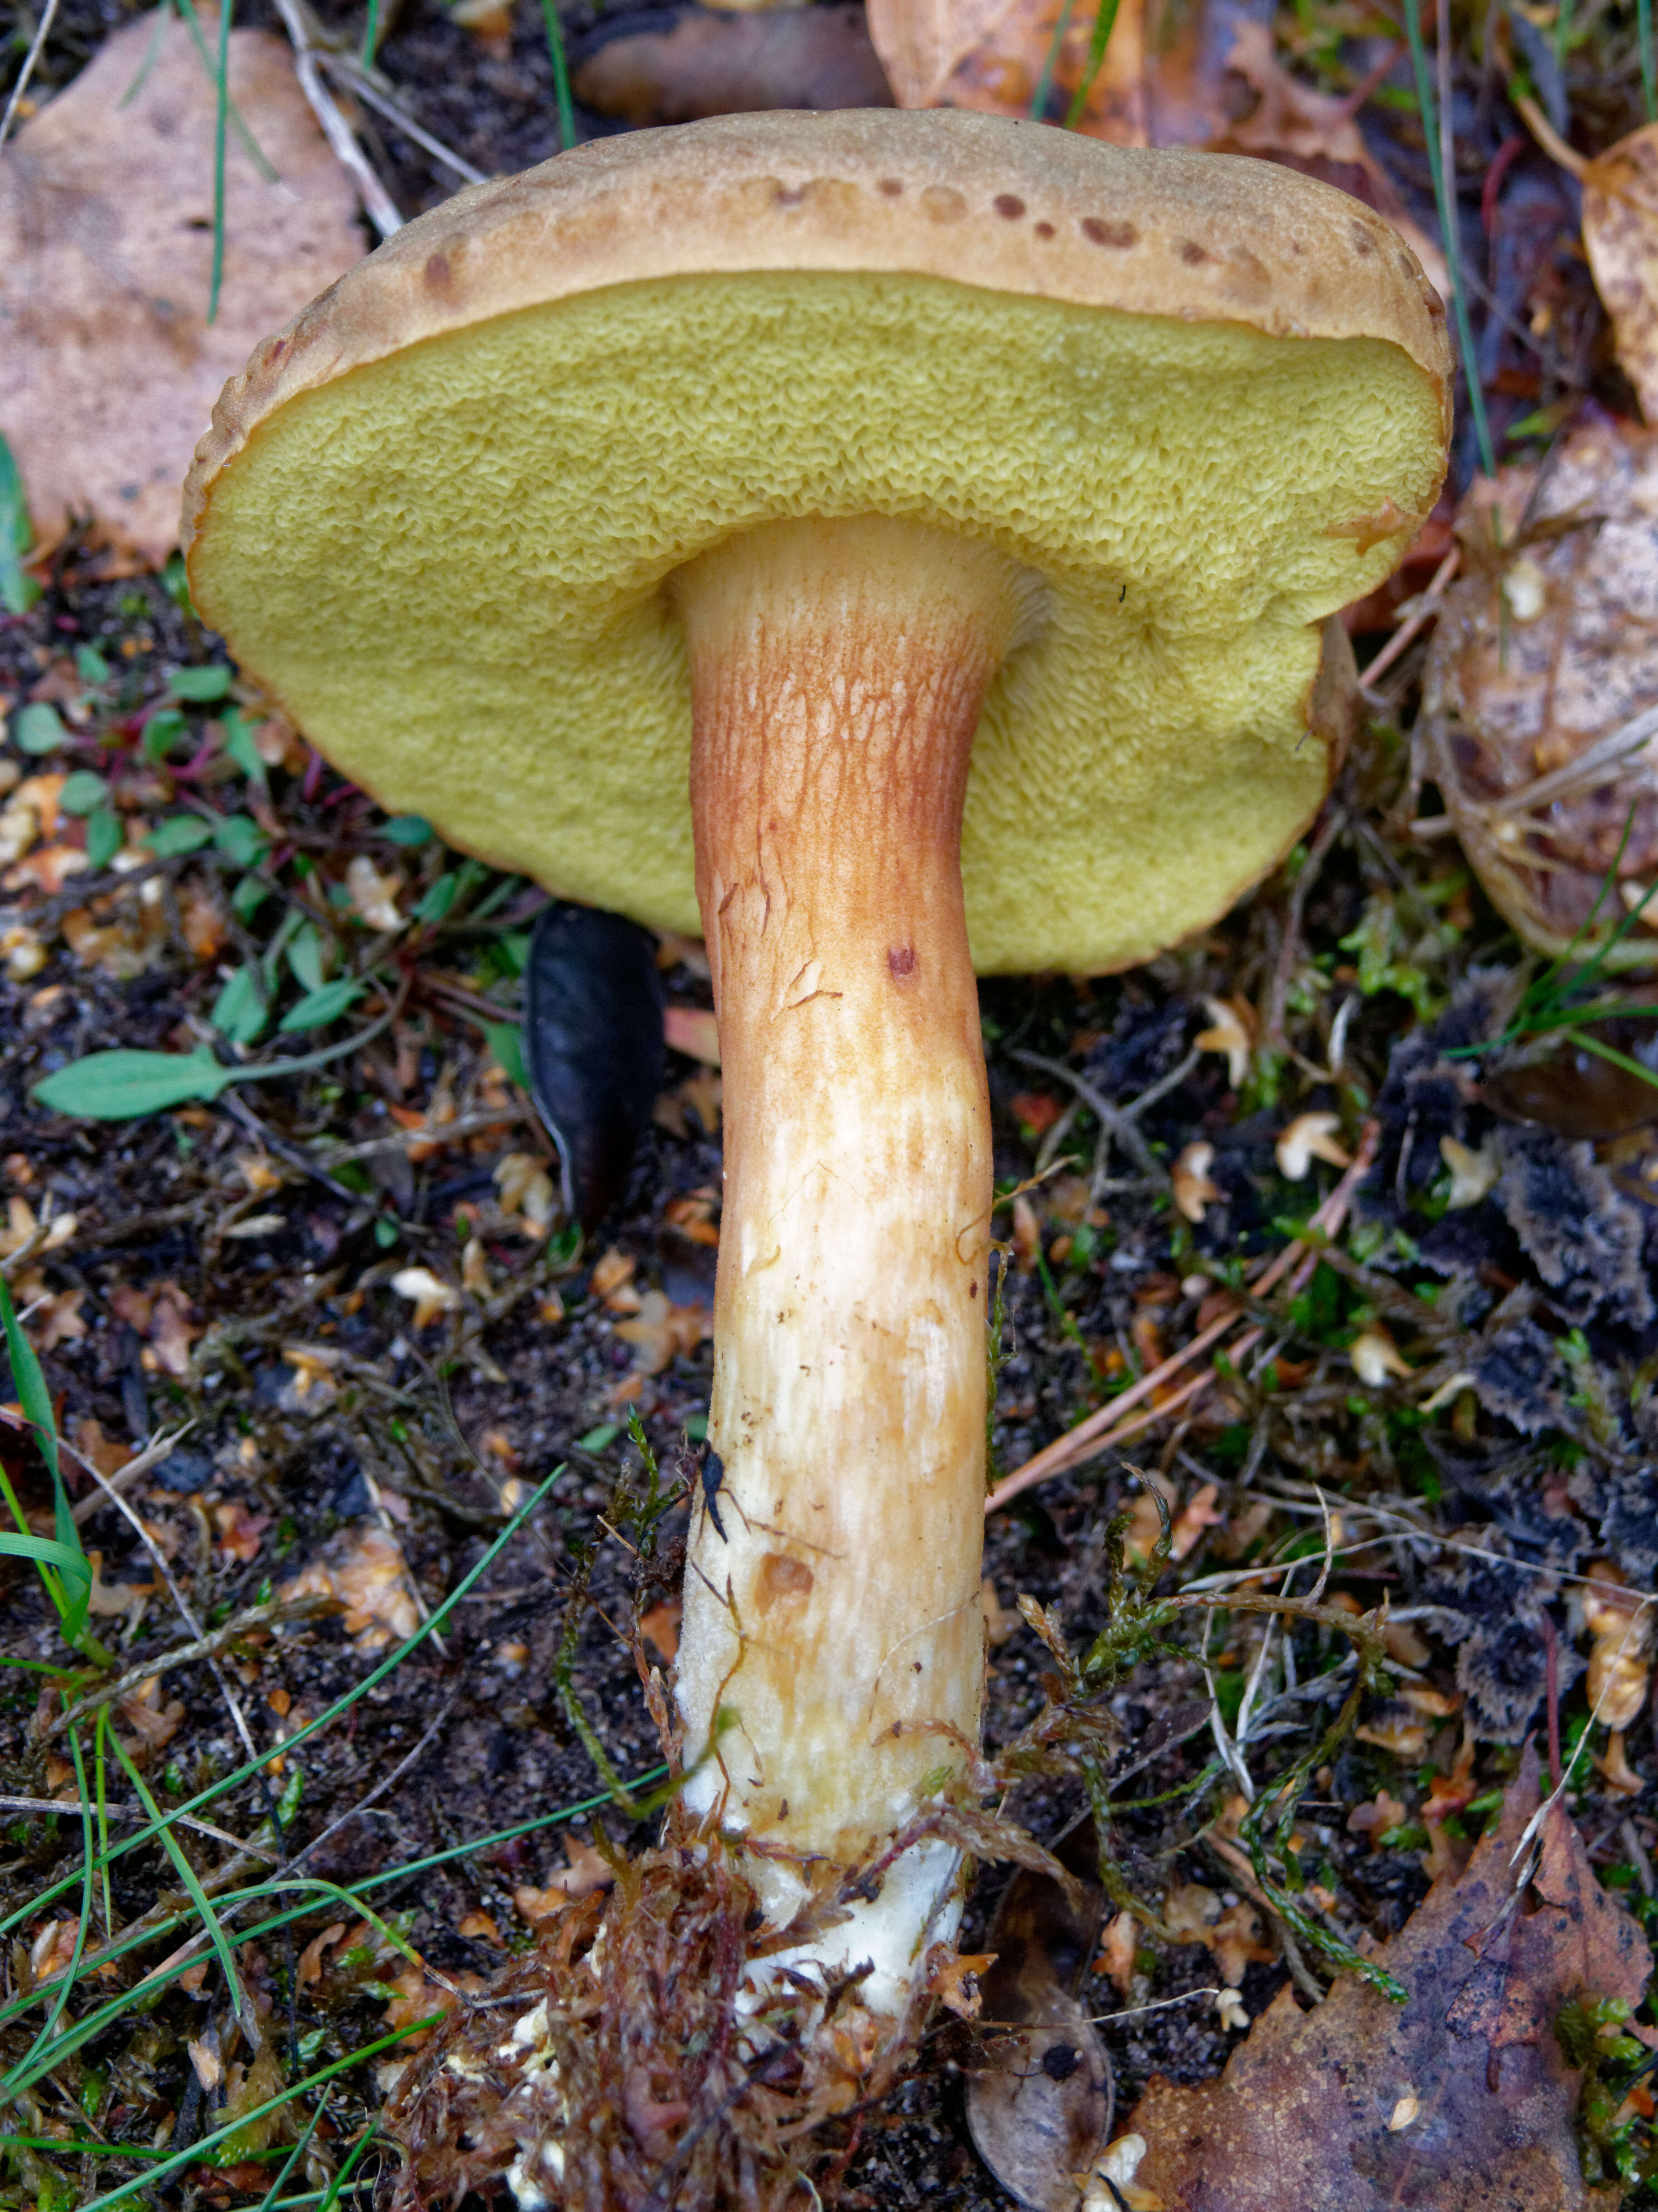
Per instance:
(321,1413)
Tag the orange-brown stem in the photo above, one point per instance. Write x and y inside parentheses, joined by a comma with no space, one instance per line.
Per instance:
(837,672)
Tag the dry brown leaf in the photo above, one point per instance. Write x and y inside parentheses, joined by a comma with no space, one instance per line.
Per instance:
(1620,236)
(366,1571)
(587,1872)
(108,367)
(1039,2103)
(1545,651)
(154,1724)
(660,1330)
(989,55)
(1302,2115)
(694,1031)
(660,1628)
(109,1600)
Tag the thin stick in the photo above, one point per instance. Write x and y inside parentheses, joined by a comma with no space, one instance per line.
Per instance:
(159,1448)
(1101,1429)
(1427,607)
(36,46)
(177,1596)
(377,204)
(130,1812)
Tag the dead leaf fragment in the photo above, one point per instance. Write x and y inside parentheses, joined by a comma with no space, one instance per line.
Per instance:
(366,1570)
(428,1293)
(1309,1137)
(1039,2103)
(1193,1190)
(1525,719)
(1309,2111)
(1620,237)
(108,366)
(588,1871)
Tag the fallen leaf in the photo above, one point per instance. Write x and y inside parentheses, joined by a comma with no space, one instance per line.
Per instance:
(480,1924)
(1231,1030)
(1118,1950)
(108,366)
(1193,1189)
(588,1871)
(100,1451)
(1027,1236)
(660,1628)
(1302,2115)
(706,63)
(694,1031)
(524,1187)
(239,1531)
(1545,651)
(53,1948)
(1309,1137)
(154,1725)
(1620,237)
(1473,1174)
(428,1293)
(366,1571)
(955,1981)
(109,1601)
(990,55)
(610,1271)
(1039,2102)
(660,1331)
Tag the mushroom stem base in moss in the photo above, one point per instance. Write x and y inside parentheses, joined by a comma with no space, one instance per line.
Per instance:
(831,1657)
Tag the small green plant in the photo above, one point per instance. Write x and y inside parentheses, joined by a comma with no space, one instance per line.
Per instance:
(64,1570)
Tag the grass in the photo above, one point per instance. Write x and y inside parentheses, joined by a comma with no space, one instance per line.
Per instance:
(56,2042)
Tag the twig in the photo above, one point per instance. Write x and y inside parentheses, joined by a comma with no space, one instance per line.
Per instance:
(206,1647)
(1427,607)
(1548,138)
(175,1593)
(1100,1430)
(1118,1121)
(159,1448)
(74,1805)
(36,46)
(1330,828)
(377,202)
(349,67)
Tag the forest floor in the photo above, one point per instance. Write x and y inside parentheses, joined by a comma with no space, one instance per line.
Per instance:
(1451,1410)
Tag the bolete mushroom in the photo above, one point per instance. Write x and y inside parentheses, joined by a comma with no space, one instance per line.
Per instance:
(905,542)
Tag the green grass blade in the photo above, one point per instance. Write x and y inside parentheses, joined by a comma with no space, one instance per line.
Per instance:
(294,2155)
(1104,23)
(561,76)
(194,2154)
(95,2023)
(371,34)
(220,130)
(74,1598)
(1618,1059)
(255,153)
(1050,62)
(291,1744)
(337,2187)
(1445,200)
(198,1896)
(1648,73)
(66,1981)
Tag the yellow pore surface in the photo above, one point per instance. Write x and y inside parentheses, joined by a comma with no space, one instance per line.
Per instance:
(450,566)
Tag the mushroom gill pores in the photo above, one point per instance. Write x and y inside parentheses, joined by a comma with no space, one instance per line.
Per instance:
(904,542)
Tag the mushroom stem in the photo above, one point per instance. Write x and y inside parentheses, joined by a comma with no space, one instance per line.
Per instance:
(832,1645)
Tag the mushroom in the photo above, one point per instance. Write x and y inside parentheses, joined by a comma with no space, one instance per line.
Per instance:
(951,510)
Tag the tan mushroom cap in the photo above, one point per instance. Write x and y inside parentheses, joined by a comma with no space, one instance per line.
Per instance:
(1205,400)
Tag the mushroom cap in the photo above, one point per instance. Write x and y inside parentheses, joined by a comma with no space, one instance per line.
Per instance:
(1205,399)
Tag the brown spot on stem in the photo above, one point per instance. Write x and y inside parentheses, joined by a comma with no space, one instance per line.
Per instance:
(1008,206)
(1192,253)
(943,203)
(901,959)
(781,1580)
(437,272)
(891,187)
